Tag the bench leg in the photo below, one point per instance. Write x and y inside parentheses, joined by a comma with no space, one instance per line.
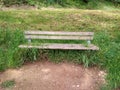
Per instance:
(88,42)
(29,40)
(35,57)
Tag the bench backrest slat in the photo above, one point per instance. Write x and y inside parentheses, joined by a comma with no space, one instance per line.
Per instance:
(59,35)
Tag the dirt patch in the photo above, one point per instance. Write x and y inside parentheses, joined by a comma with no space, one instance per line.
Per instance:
(50,76)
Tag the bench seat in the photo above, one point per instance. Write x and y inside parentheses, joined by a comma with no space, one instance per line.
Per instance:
(61,46)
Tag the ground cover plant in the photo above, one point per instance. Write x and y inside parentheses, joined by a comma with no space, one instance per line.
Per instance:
(105,24)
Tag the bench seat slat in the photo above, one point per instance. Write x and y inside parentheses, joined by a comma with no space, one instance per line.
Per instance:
(61,46)
(59,37)
(57,33)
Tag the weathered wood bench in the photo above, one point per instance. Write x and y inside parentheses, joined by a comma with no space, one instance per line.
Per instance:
(60,35)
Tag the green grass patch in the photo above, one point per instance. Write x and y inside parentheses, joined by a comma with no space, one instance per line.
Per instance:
(8,84)
(10,55)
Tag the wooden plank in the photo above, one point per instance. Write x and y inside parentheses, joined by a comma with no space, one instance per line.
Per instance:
(59,37)
(61,46)
(57,33)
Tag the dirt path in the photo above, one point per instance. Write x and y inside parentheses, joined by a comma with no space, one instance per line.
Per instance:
(50,76)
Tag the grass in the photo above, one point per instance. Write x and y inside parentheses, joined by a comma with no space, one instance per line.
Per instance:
(105,24)
(8,84)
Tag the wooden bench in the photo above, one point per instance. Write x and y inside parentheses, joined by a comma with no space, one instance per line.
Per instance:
(60,35)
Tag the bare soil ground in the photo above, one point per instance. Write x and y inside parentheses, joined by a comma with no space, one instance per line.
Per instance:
(51,76)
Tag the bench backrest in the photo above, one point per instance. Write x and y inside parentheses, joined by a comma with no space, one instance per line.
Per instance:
(59,35)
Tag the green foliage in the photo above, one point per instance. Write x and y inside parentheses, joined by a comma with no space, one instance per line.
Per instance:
(112,64)
(75,56)
(10,55)
(9,41)
(30,55)
(109,58)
